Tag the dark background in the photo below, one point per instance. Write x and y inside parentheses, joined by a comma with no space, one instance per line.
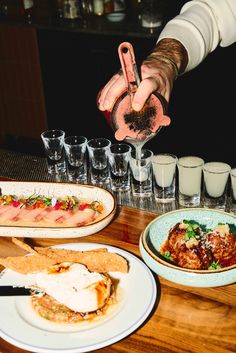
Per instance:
(75,63)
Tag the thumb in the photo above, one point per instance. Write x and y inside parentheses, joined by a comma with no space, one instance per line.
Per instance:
(145,89)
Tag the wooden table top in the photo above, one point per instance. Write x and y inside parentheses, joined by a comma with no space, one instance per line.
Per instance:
(184,319)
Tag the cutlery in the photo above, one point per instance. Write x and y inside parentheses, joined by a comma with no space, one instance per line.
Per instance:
(13,291)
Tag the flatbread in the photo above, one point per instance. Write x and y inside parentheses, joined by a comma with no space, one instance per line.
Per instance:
(27,264)
(23,245)
(96,260)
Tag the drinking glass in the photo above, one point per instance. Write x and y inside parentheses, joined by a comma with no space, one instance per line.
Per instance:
(189,181)
(216,175)
(232,203)
(99,149)
(119,158)
(164,170)
(75,148)
(53,141)
(141,173)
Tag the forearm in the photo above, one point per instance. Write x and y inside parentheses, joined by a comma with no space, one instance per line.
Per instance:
(172,53)
(201,26)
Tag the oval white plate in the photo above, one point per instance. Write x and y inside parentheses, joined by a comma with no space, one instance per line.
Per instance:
(138,288)
(84,192)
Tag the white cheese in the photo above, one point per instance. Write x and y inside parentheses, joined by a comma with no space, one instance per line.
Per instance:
(74,286)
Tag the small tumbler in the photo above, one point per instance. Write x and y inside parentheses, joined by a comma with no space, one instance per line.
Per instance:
(141,173)
(75,147)
(53,141)
(119,159)
(232,201)
(189,181)
(164,170)
(99,149)
(216,175)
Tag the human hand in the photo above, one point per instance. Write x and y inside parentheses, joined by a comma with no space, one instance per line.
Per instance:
(156,76)
(158,73)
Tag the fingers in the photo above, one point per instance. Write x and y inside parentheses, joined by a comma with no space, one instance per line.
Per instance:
(146,87)
(109,94)
(154,79)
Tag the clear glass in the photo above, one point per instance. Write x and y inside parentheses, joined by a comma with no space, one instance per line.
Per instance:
(75,148)
(164,172)
(141,173)
(99,150)
(232,201)
(53,141)
(216,175)
(189,181)
(119,159)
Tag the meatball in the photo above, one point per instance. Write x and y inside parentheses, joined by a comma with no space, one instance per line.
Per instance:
(195,257)
(222,246)
(176,237)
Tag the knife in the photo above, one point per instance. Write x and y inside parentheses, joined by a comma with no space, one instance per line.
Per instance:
(12,291)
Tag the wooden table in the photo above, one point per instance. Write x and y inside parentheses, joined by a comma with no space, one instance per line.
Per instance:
(184,319)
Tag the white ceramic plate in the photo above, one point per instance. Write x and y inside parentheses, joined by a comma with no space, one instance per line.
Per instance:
(21,327)
(84,192)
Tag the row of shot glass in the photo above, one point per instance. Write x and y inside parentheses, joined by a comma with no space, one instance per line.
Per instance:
(98,161)
(188,180)
(194,182)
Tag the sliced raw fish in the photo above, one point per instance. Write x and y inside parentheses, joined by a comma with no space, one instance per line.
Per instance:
(32,215)
(56,215)
(10,213)
(81,217)
(4,208)
(22,213)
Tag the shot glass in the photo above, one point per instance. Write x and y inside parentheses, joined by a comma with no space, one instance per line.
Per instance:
(216,176)
(75,148)
(99,150)
(189,181)
(164,172)
(141,173)
(53,141)
(232,200)
(119,158)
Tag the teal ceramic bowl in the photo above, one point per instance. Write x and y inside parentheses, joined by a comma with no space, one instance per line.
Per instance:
(156,233)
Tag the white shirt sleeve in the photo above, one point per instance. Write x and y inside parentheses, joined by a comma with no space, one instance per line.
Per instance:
(201,26)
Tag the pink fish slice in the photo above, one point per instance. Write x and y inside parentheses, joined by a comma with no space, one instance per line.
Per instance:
(127,123)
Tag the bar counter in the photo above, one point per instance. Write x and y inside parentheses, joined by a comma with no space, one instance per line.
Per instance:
(21,166)
(184,319)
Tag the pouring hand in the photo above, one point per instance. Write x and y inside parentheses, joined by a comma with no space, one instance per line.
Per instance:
(158,73)
(155,77)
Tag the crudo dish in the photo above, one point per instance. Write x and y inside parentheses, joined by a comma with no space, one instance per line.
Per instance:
(60,210)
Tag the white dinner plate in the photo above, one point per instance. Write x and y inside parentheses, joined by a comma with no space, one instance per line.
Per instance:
(83,192)
(137,292)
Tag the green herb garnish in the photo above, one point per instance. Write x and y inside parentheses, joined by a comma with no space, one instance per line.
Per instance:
(214,266)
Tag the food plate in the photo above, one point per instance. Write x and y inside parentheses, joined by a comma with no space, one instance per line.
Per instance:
(83,192)
(156,233)
(21,327)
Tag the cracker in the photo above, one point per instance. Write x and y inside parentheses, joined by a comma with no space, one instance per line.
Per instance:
(27,264)
(97,261)
(23,245)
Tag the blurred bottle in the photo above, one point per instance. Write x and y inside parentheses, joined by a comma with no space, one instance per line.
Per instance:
(98,7)
(71,9)
(59,10)
(3,8)
(87,8)
(27,10)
